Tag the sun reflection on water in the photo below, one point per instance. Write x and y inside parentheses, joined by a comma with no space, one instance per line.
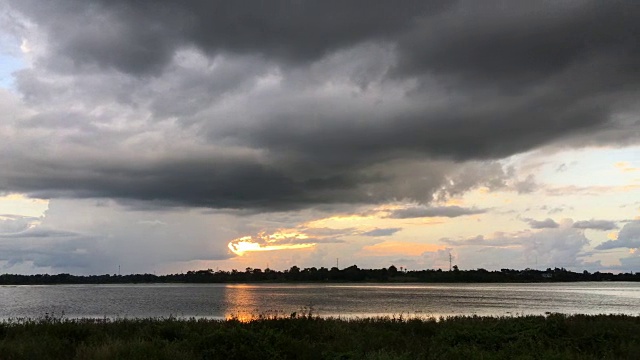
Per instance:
(241,303)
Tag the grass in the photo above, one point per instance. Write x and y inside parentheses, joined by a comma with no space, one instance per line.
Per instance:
(307,337)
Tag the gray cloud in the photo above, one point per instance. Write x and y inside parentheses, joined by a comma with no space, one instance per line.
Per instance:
(322,232)
(542,224)
(82,237)
(23,239)
(526,186)
(381,232)
(480,240)
(561,246)
(628,237)
(14,224)
(297,240)
(434,211)
(557,209)
(295,104)
(603,225)
(34,233)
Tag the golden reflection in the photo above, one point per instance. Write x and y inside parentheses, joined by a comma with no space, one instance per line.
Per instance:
(242,303)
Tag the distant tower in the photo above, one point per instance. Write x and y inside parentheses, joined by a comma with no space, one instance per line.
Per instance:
(449,261)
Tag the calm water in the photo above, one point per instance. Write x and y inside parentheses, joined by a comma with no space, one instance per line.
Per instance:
(345,300)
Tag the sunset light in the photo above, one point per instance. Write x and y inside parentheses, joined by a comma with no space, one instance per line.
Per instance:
(264,242)
(390,145)
(184,168)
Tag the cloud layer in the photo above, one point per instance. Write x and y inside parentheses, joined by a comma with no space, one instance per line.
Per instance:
(281,105)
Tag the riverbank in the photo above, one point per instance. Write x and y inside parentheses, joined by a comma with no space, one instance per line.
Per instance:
(532,337)
(323,275)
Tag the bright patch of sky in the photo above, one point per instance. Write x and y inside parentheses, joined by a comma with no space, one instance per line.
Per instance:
(593,167)
(11,60)
(16,204)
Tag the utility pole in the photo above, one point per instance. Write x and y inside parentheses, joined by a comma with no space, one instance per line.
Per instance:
(337,263)
(449,261)
(118,270)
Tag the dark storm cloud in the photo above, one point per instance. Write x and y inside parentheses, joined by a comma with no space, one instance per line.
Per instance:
(603,225)
(141,37)
(190,181)
(289,104)
(522,42)
(207,183)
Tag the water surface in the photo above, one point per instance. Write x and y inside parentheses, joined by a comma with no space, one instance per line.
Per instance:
(343,300)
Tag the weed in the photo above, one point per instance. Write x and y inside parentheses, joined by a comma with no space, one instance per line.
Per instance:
(307,336)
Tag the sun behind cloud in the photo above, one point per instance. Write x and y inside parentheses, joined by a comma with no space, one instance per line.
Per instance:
(264,242)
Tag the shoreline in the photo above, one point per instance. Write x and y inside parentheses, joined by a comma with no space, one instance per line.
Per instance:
(351,274)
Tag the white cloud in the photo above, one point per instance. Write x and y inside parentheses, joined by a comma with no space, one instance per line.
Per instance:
(549,247)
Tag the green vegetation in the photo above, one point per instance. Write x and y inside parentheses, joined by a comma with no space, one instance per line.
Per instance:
(348,274)
(307,337)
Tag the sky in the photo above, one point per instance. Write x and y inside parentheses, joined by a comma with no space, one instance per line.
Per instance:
(167,136)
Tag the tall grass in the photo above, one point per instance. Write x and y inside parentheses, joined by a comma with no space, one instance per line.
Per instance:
(307,337)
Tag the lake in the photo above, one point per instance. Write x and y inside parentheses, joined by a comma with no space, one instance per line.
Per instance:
(337,300)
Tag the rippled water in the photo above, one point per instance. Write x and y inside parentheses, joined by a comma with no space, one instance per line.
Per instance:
(345,300)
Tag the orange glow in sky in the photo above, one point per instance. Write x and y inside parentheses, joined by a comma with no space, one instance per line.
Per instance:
(400,248)
(265,242)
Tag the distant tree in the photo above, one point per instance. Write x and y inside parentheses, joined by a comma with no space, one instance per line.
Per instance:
(393,270)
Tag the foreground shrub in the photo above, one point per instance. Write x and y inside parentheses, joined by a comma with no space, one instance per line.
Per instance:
(530,337)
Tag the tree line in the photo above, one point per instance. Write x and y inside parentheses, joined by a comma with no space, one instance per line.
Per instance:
(313,274)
